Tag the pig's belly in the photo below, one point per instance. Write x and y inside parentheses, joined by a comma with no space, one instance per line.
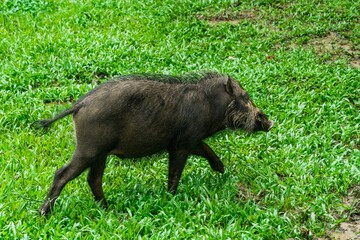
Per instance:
(138,148)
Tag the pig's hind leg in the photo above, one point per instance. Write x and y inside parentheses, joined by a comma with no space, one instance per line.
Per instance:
(94,179)
(203,150)
(78,164)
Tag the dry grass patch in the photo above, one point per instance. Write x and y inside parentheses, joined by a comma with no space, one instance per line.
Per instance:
(337,46)
(228,15)
(350,229)
(332,46)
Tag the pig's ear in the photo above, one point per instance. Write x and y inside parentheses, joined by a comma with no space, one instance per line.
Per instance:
(229,88)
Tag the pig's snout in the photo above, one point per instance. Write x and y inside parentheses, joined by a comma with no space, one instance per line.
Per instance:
(266,125)
(263,123)
(271,124)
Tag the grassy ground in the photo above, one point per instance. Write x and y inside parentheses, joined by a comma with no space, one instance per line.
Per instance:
(299,60)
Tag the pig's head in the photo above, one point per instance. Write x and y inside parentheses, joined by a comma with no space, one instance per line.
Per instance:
(242,113)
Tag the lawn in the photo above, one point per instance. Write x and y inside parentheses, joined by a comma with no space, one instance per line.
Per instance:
(299,61)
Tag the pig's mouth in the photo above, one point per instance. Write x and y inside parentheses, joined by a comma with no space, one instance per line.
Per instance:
(267,126)
(262,123)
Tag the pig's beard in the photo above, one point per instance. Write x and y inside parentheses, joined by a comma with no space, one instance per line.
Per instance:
(236,119)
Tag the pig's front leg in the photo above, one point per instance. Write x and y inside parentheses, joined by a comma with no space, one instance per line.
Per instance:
(203,150)
(177,161)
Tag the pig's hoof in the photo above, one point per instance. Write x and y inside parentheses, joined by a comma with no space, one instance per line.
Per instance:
(103,203)
(43,213)
(219,167)
(45,209)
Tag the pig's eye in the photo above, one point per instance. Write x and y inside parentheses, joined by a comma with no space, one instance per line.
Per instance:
(246,96)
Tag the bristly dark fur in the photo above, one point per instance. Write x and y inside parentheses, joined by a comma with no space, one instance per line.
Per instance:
(189,78)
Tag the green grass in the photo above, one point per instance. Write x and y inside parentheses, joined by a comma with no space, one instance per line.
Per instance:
(288,183)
